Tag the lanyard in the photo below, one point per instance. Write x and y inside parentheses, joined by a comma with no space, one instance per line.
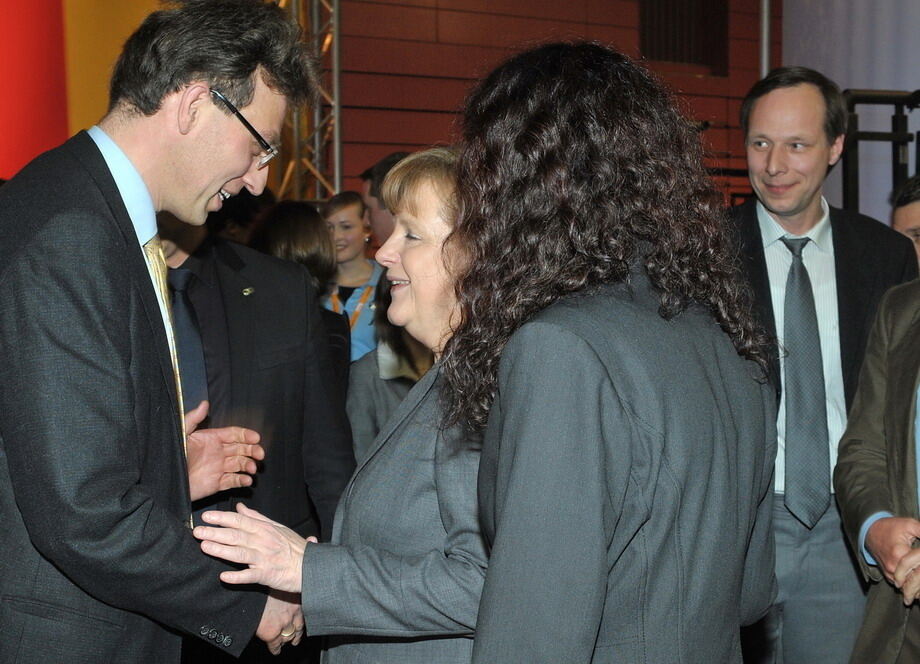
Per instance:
(337,305)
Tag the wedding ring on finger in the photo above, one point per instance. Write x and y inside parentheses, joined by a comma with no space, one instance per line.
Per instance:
(288,635)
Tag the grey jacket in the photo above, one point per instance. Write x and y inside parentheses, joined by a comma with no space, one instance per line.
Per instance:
(402,577)
(625,488)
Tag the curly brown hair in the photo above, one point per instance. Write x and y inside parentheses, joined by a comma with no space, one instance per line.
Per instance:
(575,165)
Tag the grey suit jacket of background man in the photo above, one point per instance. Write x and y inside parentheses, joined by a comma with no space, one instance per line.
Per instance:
(402,576)
(98,564)
(625,488)
(876,469)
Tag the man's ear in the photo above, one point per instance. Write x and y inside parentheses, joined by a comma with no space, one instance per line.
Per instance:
(836,150)
(191,102)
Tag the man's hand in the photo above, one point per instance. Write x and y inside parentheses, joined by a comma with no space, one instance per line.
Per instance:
(219,459)
(906,578)
(274,553)
(889,540)
(282,621)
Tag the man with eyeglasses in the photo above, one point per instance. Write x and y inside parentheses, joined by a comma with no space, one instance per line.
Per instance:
(96,471)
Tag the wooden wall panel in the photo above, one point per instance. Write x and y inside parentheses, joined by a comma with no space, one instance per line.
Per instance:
(408,64)
(570,10)
(624,13)
(499,30)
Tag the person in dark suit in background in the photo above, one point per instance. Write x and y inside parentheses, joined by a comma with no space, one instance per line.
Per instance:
(817,273)
(295,231)
(99,563)
(267,367)
(607,350)
(876,481)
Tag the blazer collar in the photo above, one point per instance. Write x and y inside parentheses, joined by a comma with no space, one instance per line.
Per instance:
(755,267)
(407,407)
(854,305)
(904,365)
(85,150)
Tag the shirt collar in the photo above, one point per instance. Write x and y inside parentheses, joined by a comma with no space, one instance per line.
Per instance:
(819,234)
(130,185)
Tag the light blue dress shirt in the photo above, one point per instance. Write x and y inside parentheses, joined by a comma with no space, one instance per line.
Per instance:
(130,185)
(136,197)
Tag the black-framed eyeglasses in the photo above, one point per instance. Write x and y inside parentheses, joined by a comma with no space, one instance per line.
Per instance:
(269,152)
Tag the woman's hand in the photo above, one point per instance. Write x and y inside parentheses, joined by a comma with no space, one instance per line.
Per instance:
(273,552)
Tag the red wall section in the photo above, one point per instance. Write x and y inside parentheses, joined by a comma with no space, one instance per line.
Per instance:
(33,114)
(407,65)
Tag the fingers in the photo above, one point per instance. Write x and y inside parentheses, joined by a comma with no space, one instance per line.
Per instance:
(247,512)
(242,576)
(905,567)
(196,416)
(911,587)
(234,481)
(239,463)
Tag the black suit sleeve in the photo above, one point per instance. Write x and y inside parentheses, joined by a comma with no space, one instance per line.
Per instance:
(328,460)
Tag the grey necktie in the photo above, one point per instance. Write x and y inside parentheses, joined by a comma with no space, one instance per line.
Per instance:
(807,455)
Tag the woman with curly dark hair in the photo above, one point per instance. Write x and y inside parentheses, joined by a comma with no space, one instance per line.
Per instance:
(607,349)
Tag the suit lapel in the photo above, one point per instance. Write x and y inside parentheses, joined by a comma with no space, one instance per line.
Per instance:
(88,154)
(240,300)
(412,401)
(755,267)
(852,297)
(904,368)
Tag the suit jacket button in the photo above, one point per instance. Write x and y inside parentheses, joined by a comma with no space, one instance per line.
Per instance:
(212,634)
(204,630)
(228,641)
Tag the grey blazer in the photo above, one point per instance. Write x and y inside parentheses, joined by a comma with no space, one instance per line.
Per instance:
(625,488)
(402,577)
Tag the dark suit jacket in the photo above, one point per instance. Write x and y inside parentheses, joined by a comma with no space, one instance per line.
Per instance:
(270,369)
(99,564)
(876,470)
(869,259)
(625,488)
(338,335)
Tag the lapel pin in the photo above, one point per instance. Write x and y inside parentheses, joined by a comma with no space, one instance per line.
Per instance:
(249,290)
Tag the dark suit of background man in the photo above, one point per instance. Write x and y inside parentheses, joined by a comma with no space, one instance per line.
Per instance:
(876,480)
(820,307)
(267,367)
(99,564)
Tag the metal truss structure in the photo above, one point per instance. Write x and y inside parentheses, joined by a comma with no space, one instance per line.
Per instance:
(899,137)
(312,141)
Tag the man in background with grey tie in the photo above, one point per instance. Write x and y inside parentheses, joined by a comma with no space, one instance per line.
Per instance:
(817,274)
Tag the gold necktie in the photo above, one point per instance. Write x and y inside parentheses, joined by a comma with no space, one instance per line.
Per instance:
(153,249)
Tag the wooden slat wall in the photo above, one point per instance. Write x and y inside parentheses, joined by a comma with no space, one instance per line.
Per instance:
(407,65)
